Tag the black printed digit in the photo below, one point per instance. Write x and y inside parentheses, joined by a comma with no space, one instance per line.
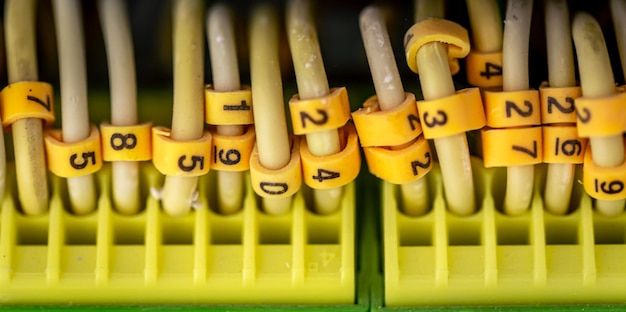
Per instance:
(85,160)
(123,141)
(418,164)
(436,121)
(511,106)
(274,188)
(525,150)
(323,174)
(491,69)
(195,162)
(320,120)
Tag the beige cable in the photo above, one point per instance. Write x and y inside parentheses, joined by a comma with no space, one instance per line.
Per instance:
(453,152)
(122,79)
(179,193)
(597,80)
(272,139)
(618,13)
(520,179)
(223,51)
(559,177)
(30,162)
(75,118)
(486,25)
(390,93)
(312,83)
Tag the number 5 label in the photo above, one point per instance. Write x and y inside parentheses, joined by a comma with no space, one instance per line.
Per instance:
(69,160)
(180,158)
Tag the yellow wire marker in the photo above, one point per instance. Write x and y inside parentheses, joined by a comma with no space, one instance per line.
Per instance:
(123,141)
(275,170)
(484,62)
(606,145)
(179,192)
(520,178)
(312,84)
(390,119)
(561,145)
(433,46)
(75,118)
(28,146)
(221,37)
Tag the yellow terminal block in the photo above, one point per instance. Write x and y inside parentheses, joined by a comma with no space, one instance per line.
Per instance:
(437,30)
(561,144)
(390,127)
(152,258)
(27,99)
(512,146)
(76,159)
(126,143)
(402,165)
(453,114)
(492,258)
(228,108)
(317,114)
(484,70)
(605,183)
(558,104)
(601,116)
(232,152)
(339,169)
(180,158)
(279,183)
(512,108)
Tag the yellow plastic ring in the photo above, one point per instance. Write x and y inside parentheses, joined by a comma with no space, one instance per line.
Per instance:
(323,113)
(279,183)
(512,146)
(561,144)
(392,127)
(453,114)
(228,108)
(27,99)
(180,158)
(232,153)
(601,116)
(507,109)
(402,165)
(126,143)
(605,183)
(558,104)
(484,69)
(437,30)
(68,160)
(335,170)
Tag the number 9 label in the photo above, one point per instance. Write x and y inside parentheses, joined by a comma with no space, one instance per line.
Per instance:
(604,183)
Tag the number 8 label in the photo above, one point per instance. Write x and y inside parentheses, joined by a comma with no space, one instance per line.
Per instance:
(126,143)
